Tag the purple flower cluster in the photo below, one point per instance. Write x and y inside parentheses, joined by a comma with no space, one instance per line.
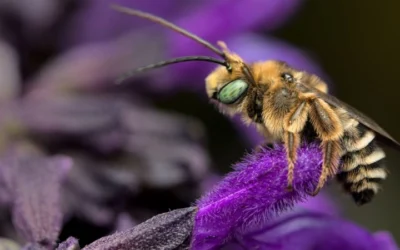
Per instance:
(81,158)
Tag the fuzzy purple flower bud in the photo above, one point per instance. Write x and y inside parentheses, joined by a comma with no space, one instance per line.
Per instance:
(253,194)
(250,209)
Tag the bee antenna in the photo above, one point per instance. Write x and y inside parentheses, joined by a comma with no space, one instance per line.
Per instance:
(168,62)
(167,24)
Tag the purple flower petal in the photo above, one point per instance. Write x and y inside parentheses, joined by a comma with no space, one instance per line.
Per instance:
(170,230)
(168,162)
(307,230)
(386,241)
(219,20)
(69,114)
(35,19)
(254,193)
(97,65)
(70,244)
(34,182)
(125,222)
(95,187)
(10,79)
(88,27)
(34,246)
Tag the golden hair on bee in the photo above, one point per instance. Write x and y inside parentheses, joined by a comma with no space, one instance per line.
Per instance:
(291,106)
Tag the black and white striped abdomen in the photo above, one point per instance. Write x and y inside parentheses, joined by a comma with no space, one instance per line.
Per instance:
(362,168)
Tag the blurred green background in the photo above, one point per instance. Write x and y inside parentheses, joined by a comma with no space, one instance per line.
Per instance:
(357,44)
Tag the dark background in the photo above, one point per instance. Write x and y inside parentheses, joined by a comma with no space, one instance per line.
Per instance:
(357,43)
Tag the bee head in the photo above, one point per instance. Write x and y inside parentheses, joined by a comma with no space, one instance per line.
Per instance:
(228,85)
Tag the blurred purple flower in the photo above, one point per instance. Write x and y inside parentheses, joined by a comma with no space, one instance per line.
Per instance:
(87,27)
(155,149)
(193,16)
(248,209)
(137,151)
(124,222)
(140,147)
(9,72)
(210,20)
(210,23)
(34,183)
(308,230)
(70,244)
(171,230)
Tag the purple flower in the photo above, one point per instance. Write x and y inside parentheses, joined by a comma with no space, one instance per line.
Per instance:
(251,209)
(33,183)
(70,244)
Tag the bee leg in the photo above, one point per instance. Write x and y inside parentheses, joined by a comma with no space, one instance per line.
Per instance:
(292,142)
(293,124)
(331,157)
(328,126)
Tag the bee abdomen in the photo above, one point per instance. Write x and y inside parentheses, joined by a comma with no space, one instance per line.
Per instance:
(362,168)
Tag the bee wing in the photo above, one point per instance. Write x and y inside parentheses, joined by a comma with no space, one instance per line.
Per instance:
(383,136)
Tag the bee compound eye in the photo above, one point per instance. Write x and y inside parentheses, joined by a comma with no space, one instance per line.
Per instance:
(287,77)
(232,91)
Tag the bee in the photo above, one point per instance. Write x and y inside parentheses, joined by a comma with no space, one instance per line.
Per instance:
(290,106)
